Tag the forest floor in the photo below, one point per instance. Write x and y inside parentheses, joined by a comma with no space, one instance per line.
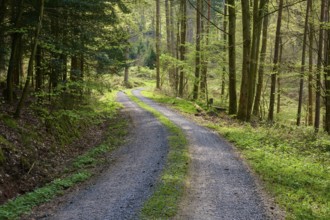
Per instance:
(219,185)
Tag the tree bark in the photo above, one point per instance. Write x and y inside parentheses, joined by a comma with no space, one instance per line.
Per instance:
(14,49)
(256,107)
(32,58)
(310,68)
(302,69)
(258,14)
(232,57)
(3,13)
(158,44)
(319,70)
(183,44)
(242,113)
(275,64)
(198,50)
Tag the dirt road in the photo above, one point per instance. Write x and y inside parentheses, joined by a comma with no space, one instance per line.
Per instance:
(120,191)
(219,184)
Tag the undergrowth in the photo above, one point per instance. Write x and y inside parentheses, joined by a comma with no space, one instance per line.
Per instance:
(71,121)
(292,161)
(164,201)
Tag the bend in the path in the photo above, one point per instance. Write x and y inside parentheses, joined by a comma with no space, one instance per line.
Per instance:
(120,192)
(220,185)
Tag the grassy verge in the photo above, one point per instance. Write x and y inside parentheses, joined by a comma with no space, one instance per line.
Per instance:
(293,162)
(81,168)
(165,200)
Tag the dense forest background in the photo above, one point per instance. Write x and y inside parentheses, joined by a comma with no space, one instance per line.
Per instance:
(265,63)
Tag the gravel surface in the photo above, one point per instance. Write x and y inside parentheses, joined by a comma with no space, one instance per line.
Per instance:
(220,185)
(120,191)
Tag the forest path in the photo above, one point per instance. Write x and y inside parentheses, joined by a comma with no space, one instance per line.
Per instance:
(120,191)
(219,184)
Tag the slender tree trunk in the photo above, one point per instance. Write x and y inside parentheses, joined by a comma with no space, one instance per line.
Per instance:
(275,64)
(17,8)
(173,47)
(242,113)
(126,74)
(204,69)
(158,44)
(327,87)
(302,70)
(32,58)
(3,13)
(310,67)
(319,70)
(198,50)
(232,57)
(224,70)
(258,14)
(183,44)
(256,107)
(279,86)
(39,71)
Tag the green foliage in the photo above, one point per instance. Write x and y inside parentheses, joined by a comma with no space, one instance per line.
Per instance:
(164,202)
(9,121)
(177,103)
(23,204)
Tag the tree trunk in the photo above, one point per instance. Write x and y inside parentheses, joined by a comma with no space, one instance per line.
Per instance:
(302,69)
(157,44)
(319,70)
(39,71)
(275,64)
(183,44)
(17,10)
(232,57)
(3,13)
(327,87)
(258,14)
(225,23)
(173,48)
(256,107)
(310,68)
(279,86)
(242,113)
(198,50)
(32,58)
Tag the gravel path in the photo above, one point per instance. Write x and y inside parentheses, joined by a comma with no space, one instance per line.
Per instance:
(220,185)
(120,191)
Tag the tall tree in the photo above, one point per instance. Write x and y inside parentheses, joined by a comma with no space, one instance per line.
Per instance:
(242,113)
(41,4)
(263,53)
(275,63)
(310,66)
(302,69)
(183,7)
(198,50)
(319,68)
(258,14)
(158,44)
(17,7)
(232,56)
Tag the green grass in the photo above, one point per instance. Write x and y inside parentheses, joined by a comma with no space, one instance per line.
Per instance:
(80,169)
(292,161)
(23,204)
(164,202)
